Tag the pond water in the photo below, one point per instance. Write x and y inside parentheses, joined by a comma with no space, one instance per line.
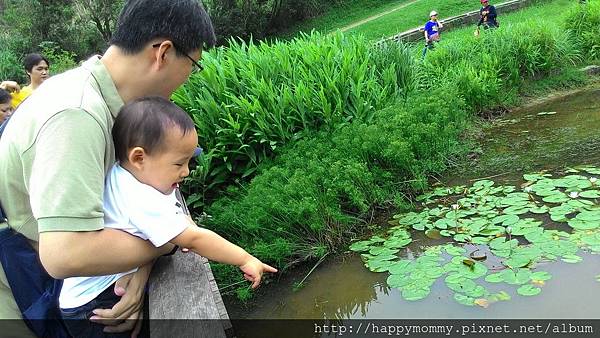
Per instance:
(557,133)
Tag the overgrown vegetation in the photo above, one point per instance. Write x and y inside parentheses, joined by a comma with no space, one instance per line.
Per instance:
(254,98)
(584,22)
(64,31)
(316,194)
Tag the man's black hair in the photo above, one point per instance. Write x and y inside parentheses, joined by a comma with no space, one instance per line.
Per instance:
(144,122)
(4,96)
(31,60)
(183,22)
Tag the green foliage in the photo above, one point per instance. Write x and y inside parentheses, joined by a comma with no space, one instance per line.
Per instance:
(10,67)
(342,14)
(256,18)
(489,70)
(252,98)
(66,30)
(336,166)
(60,60)
(584,22)
(313,195)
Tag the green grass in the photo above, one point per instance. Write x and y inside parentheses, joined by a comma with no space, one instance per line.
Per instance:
(412,16)
(342,15)
(551,13)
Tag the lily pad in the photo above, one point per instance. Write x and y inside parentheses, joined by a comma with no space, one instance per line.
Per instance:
(415,294)
(540,275)
(464,300)
(572,259)
(528,290)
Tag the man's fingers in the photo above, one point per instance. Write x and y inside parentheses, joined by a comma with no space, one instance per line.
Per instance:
(120,308)
(127,325)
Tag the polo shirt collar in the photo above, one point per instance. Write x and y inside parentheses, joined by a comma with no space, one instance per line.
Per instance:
(105,83)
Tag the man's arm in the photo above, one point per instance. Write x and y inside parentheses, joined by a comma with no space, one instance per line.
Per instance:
(66,186)
(492,14)
(92,253)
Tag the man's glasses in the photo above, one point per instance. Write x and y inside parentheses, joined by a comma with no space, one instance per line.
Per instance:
(197,65)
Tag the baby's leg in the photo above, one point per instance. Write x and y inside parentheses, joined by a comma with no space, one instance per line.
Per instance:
(77,320)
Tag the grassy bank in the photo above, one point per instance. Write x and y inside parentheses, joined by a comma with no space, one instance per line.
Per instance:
(342,15)
(315,195)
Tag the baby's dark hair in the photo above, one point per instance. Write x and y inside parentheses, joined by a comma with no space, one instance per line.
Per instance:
(4,96)
(143,123)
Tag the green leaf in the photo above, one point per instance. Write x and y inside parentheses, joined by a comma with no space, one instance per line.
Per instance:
(401,267)
(360,246)
(528,290)
(590,194)
(495,278)
(572,259)
(415,294)
(464,300)
(540,275)
(454,250)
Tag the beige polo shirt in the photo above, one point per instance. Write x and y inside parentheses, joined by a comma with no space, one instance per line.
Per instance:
(54,155)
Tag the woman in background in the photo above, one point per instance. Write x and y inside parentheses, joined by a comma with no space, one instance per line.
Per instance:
(37,68)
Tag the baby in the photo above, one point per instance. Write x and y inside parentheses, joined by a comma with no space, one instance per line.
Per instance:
(154,142)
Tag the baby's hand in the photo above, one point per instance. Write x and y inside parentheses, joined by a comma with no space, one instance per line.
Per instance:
(253,270)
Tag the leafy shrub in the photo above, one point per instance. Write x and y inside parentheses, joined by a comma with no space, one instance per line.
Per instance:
(491,69)
(11,67)
(310,199)
(252,98)
(60,60)
(584,22)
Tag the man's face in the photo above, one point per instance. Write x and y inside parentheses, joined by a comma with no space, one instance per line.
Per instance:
(180,70)
(5,111)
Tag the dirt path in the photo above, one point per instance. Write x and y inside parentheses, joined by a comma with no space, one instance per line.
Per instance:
(377,16)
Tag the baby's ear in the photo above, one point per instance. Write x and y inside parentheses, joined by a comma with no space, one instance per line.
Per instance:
(136,156)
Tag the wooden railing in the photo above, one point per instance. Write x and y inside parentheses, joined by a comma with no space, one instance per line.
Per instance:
(185,300)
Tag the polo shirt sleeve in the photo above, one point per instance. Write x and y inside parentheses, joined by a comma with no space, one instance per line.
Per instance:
(158,217)
(67,178)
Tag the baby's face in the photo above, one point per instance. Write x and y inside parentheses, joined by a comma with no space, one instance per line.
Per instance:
(167,167)
(5,111)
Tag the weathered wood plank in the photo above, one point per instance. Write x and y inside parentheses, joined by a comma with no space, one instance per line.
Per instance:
(182,287)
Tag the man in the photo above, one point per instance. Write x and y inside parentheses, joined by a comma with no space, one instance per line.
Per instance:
(487,16)
(57,149)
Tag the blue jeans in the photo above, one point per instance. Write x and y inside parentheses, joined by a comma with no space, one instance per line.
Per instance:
(78,321)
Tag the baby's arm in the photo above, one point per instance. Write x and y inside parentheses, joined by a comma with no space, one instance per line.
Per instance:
(216,248)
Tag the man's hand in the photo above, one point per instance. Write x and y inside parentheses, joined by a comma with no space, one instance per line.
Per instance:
(127,313)
(254,269)
(10,86)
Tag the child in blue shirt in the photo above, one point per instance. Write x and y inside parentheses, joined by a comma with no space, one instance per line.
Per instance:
(432,29)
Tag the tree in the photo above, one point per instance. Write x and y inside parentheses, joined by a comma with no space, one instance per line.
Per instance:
(102,13)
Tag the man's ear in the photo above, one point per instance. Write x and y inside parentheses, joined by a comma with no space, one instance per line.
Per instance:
(136,157)
(162,52)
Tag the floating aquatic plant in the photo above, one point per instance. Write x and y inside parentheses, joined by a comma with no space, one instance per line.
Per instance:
(502,219)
